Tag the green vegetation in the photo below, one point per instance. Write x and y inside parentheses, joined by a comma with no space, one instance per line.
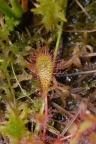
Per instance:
(14,11)
(47,71)
(52,12)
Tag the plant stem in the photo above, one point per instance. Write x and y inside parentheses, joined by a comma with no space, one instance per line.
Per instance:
(58,41)
(24,93)
(77,73)
(37,127)
(12,95)
(46,117)
(59,33)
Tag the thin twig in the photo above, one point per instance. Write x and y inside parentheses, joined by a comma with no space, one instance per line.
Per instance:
(63,110)
(78,73)
(80,31)
(82,9)
(70,123)
(24,93)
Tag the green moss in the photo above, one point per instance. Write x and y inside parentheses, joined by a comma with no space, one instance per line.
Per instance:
(51,11)
(15,128)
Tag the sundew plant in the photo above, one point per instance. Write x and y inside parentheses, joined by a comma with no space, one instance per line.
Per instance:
(47,72)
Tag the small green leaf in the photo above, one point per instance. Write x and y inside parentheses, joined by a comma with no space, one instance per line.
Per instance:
(1,60)
(0,97)
(11,23)
(15,49)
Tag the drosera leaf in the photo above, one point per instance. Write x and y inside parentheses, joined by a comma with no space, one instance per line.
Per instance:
(44,66)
